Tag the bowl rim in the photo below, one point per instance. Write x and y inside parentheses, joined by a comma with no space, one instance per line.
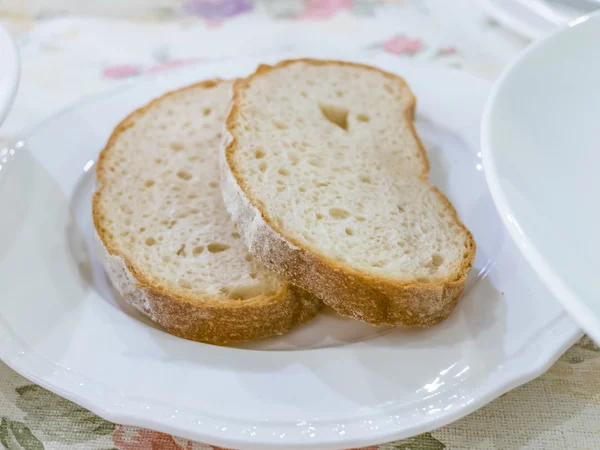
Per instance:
(576,307)
(10,72)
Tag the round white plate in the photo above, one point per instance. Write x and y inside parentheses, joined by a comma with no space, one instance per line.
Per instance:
(9,72)
(333,383)
(541,142)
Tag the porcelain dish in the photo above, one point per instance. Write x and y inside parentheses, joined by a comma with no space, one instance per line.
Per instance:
(333,383)
(540,142)
(9,72)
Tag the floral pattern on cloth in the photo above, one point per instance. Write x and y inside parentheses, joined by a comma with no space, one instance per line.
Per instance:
(43,418)
(281,9)
(403,45)
(33,418)
(212,11)
(47,417)
(215,10)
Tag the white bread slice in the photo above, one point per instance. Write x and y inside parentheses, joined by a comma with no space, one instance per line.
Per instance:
(327,180)
(167,241)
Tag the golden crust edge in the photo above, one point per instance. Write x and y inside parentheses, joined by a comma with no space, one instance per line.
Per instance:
(381,300)
(164,306)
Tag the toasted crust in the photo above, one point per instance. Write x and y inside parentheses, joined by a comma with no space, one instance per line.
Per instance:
(188,316)
(353,293)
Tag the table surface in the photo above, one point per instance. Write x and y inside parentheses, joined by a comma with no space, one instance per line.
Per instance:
(72,49)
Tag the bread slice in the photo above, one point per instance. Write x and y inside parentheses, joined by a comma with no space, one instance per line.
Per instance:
(327,180)
(167,241)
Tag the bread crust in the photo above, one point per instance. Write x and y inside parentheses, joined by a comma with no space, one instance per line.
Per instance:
(351,292)
(214,321)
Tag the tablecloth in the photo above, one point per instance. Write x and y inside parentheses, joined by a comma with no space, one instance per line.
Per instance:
(73,49)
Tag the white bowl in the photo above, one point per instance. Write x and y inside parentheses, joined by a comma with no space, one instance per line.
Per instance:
(541,153)
(9,72)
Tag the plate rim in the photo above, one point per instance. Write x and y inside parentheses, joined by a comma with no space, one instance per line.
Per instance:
(119,414)
(568,299)
(132,412)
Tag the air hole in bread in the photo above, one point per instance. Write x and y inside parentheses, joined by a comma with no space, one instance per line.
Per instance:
(253,274)
(184,284)
(181,250)
(184,175)
(279,124)
(303,94)
(263,166)
(338,213)
(349,232)
(166,258)
(197,250)
(142,229)
(361,218)
(400,208)
(321,184)
(283,171)
(308,237)
(149,183)
(302,189)
(176,146)
(235,235)
(150,241)
(244,292)
(259,154)
(365,179)
(280,188)
(363,118)
(217,247)
(319,216)
(206,111)
(339,93)
(158,161)
(213,184)
(315,163)
(336,115)
(249,257)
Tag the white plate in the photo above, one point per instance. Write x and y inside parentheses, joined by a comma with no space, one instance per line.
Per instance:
(333,383)
(541,140)
(9,73)
(537,18)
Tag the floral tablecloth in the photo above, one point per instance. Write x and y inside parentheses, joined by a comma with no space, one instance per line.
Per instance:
(72,49)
